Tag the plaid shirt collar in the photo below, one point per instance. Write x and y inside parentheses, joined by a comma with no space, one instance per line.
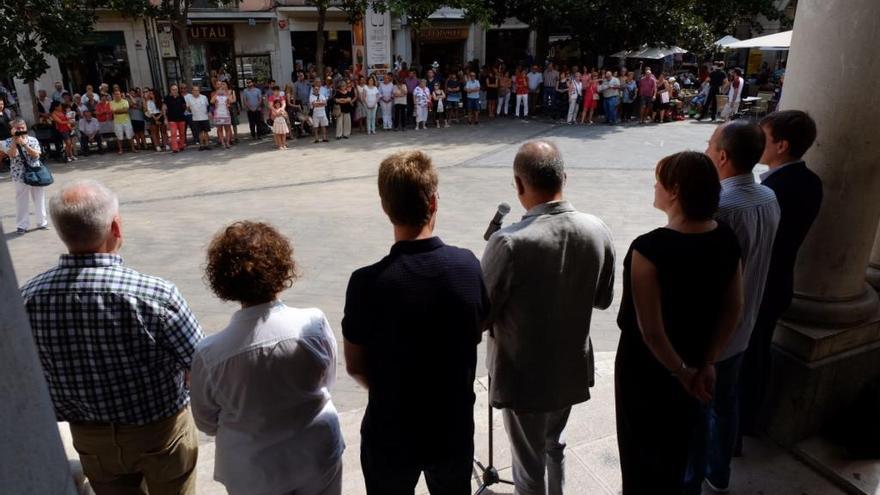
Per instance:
(90,260)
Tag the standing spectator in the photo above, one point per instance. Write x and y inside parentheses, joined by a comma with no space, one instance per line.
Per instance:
(318,104)
(138,120)
(412,324)
(752,211)
(44,107)
(438,97)
(58,95)
(492,91)
(539,354)
(661,101)
(187,96)
(121,121)
(536,79)
(412,82)
(222,100)
(360,107)
(682,298)
(89,133)
(550,80)
(265,421)
(198,106)
(453,96)
(610,89)
(734,95)
(789,134)
(158,129)
(647,93)
(472,88)
(591,98)
(370,98)
(422,100)
(504,90)
(97,325)
(345,99)
(280,129)
(24,151)
(562,90)
(574,92)
(90,98)
(63,127)
(522,94)
(253,104)
(386,102)
(400,99)
(628,94)
(173,108)
(104,115)
(302,88)
(716,80)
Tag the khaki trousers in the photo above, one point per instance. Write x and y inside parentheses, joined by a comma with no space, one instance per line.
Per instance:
(156,459)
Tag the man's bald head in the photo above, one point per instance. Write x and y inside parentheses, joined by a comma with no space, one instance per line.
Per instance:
(539,164)
(83,212)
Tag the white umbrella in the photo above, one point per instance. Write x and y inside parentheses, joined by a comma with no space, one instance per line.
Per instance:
(775,41)
(650,52)
(727,40)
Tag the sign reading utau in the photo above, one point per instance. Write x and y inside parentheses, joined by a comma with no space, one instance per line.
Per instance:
(210,31)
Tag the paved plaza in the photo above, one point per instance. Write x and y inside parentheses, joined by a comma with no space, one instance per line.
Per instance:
(324,197)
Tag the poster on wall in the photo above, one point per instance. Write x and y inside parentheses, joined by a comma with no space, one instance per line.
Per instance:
(377,26)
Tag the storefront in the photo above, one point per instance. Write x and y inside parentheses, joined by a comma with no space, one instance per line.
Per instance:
(444,45)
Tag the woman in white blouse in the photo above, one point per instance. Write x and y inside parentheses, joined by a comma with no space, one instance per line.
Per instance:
(262,385)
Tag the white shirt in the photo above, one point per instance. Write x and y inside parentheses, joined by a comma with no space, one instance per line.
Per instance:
(386,91)
(198,107)
(535,79)
(318,111)
(371,96)
(262,387)
(88,127)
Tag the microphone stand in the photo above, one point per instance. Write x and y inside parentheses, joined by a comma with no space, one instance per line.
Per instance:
(490,473)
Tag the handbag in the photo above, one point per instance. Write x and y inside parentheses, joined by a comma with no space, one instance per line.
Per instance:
(36,176)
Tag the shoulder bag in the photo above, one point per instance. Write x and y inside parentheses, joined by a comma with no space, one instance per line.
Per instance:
(37,175)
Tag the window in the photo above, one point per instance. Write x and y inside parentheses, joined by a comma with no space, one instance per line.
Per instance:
(256,67)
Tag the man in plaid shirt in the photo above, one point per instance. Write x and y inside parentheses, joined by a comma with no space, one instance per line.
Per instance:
(115,346)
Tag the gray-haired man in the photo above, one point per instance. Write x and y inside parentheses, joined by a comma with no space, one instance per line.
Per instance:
(544,274)
(115,345)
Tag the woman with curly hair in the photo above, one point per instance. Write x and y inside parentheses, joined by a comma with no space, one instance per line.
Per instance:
(262,385)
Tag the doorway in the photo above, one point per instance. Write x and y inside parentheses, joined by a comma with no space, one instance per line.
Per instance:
(448,54)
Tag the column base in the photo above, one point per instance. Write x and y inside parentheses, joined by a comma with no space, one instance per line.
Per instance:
(834,313)
(817,373)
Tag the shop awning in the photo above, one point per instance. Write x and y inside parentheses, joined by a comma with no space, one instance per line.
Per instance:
(775,41)
(234,16)
(650,52)
(725,41)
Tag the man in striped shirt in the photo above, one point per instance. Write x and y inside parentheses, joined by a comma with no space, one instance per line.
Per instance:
(115,346)
(752,211)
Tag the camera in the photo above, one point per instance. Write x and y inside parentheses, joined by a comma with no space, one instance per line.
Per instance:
(20,133)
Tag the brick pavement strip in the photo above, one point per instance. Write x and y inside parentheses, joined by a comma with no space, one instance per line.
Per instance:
(324,197)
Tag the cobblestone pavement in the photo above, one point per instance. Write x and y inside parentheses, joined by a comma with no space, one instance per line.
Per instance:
(324,197)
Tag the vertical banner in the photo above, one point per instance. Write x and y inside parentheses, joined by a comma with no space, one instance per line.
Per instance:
(357,48)
(377,26)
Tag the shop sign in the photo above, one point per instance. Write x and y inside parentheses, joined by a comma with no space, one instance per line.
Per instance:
(210,32)
(444,34)
(378,30)
(166,45)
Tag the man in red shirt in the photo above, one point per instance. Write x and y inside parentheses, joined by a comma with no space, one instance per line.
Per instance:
(647,92)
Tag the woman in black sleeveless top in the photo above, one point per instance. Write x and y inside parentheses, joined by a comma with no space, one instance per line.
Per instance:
(682,298)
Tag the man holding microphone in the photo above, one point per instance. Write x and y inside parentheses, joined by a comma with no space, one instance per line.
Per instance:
(544,274)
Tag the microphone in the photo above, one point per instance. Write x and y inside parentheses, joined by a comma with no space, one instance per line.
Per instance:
(495,224)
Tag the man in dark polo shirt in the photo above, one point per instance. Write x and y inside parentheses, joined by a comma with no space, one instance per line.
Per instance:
(412,324)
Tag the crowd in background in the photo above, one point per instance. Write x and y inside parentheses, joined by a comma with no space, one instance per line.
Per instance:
(71,124)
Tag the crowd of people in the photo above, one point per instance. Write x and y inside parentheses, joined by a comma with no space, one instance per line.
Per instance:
(128,366)
(145,119)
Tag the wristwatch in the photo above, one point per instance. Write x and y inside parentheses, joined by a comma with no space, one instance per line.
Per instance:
(681,369)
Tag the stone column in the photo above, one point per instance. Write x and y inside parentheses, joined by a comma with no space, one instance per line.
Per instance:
(872,274)
(32,459)
(831,332)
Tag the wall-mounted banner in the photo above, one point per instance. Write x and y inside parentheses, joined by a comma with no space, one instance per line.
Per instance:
(377,26)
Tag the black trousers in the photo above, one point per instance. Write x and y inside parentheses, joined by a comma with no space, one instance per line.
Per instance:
(254,118)
(656,419)
(711,102)
(756,367)
(400,116)
(84,143)
(396,473)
